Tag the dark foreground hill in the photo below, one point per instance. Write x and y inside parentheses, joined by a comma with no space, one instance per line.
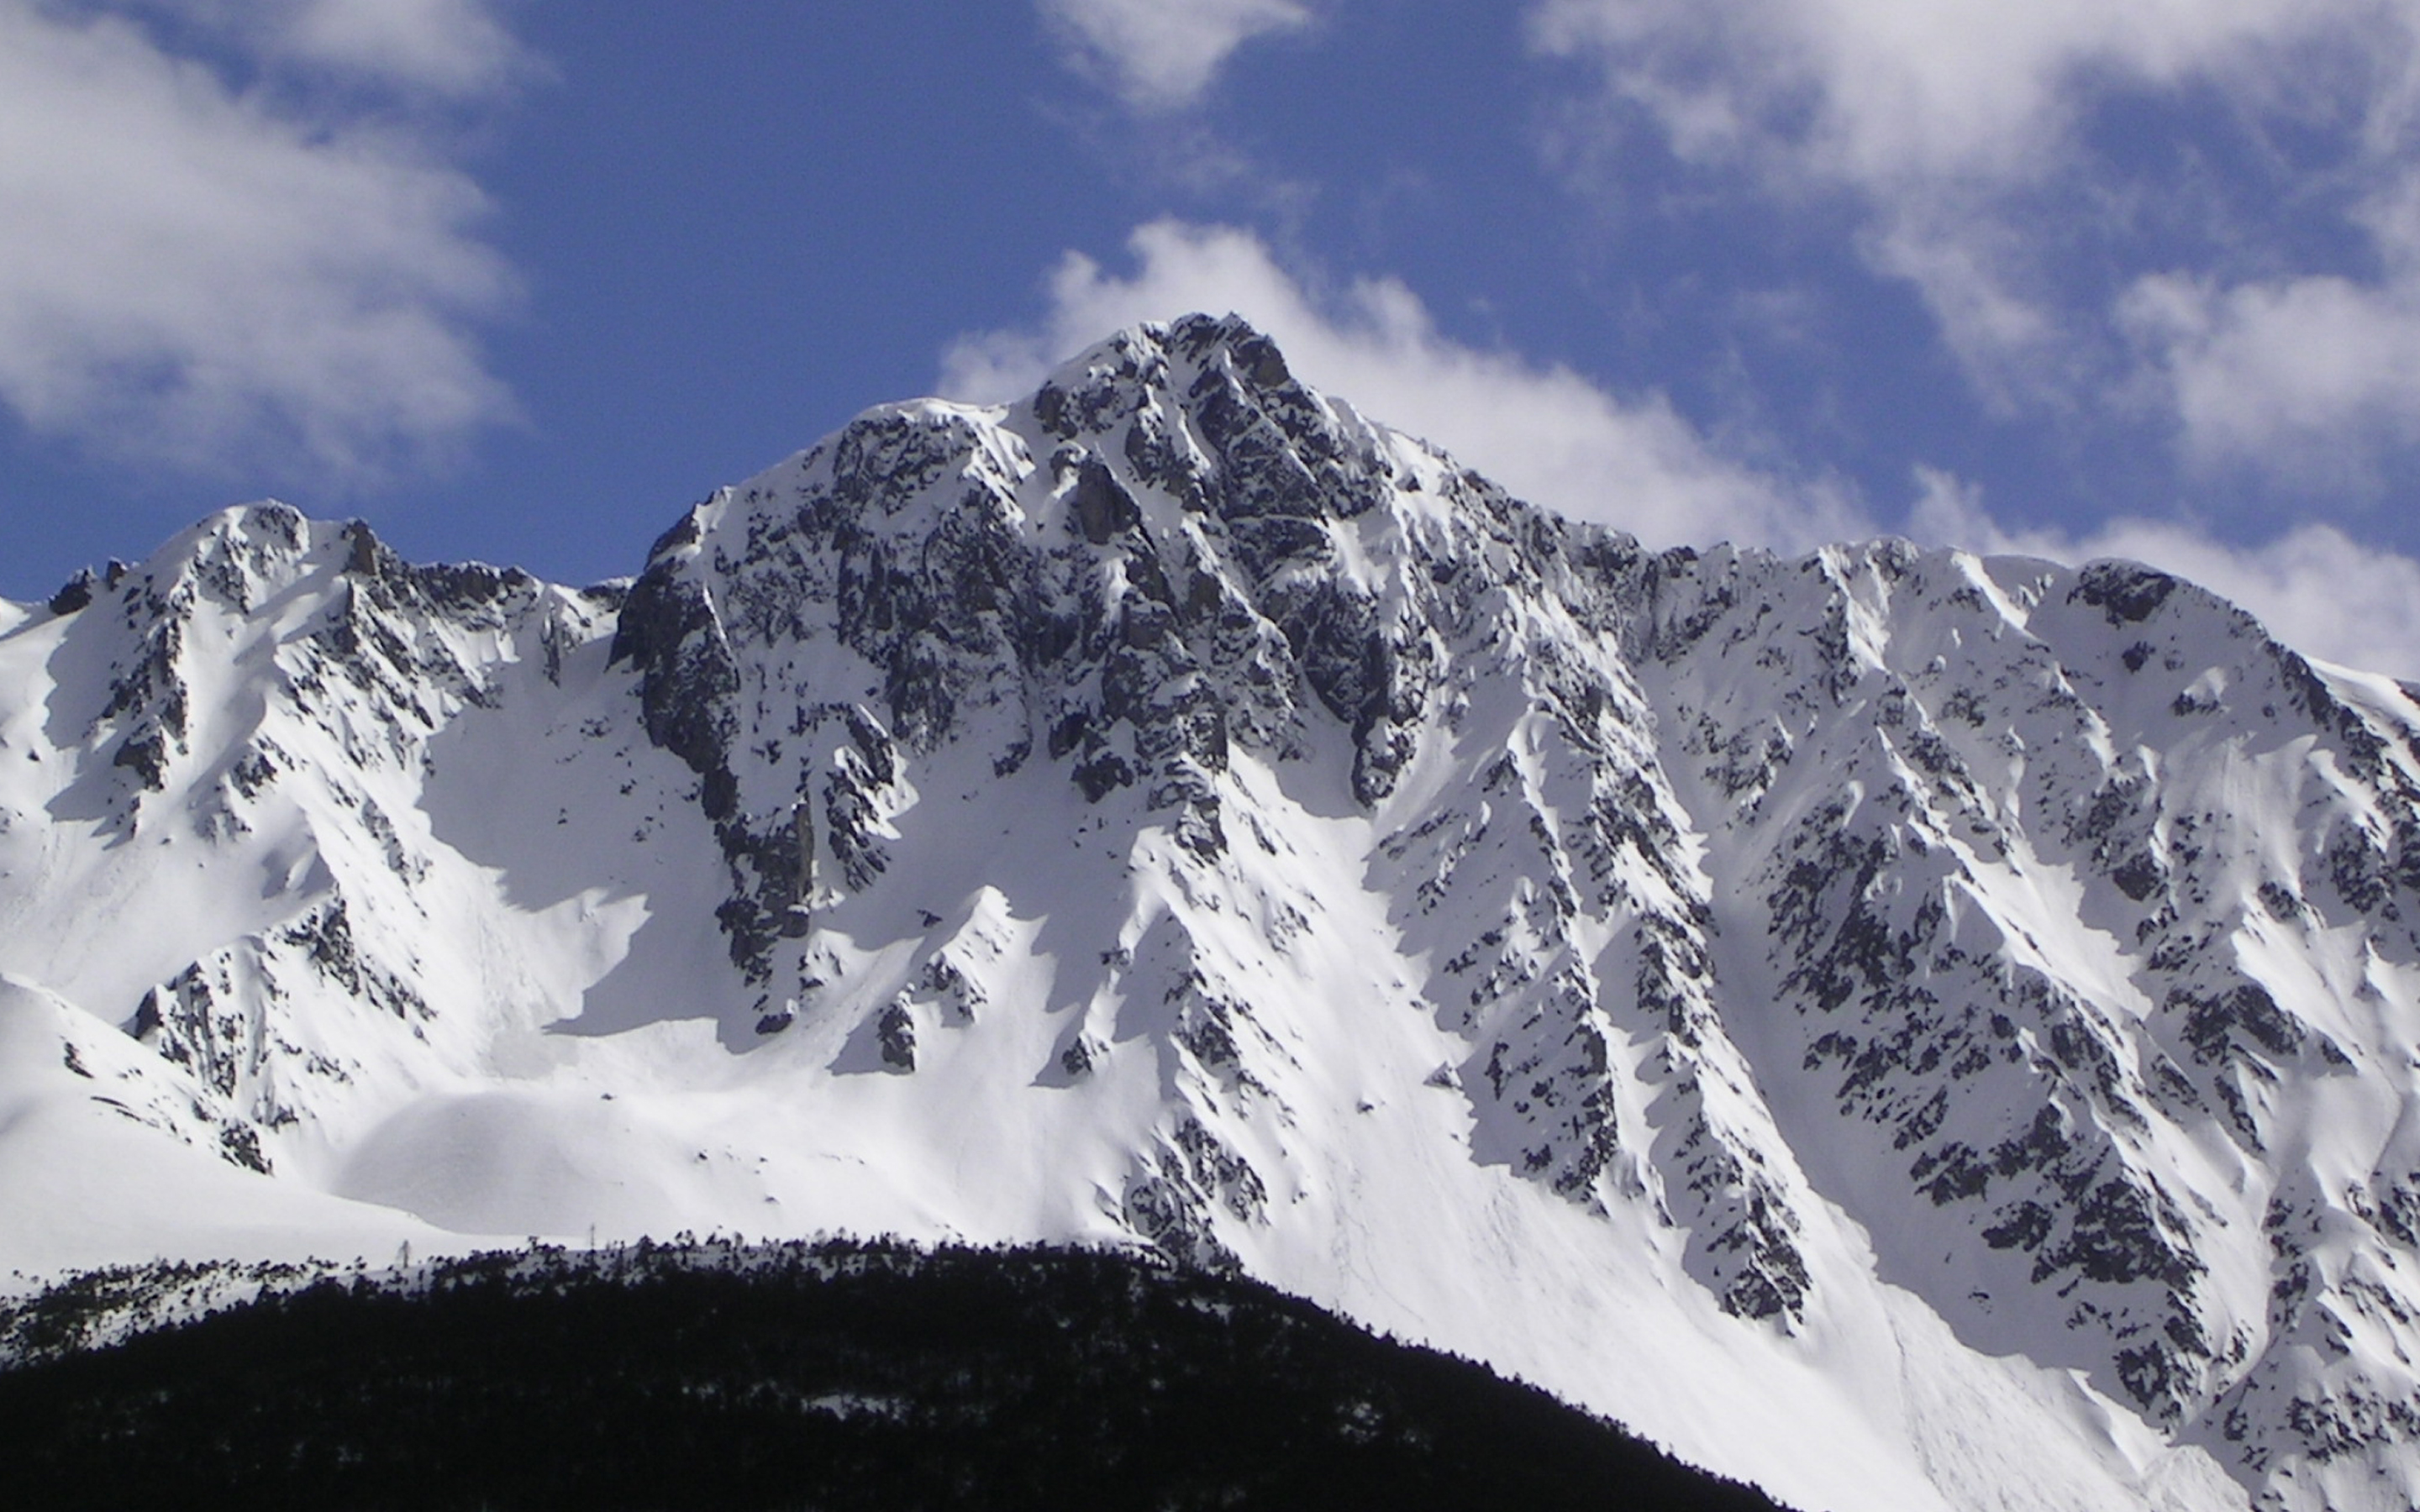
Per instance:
(841,1375)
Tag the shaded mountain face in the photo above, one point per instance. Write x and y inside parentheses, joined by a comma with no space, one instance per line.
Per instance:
(1177,809)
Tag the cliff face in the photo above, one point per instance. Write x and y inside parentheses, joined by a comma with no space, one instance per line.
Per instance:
(1176,809)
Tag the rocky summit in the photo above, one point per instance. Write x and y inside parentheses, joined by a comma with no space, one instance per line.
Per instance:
(1908,1028)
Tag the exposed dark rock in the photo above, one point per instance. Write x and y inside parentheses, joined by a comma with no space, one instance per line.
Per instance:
(2126,592)
(76,594)
(895,1033)
(1102,506)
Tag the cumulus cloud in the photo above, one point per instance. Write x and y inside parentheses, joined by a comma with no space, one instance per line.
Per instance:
(1162,54)
(2281,374)
(2316,589)
(455,47)
(1966,129)
(1546,432)
(1916,92)
(200,272)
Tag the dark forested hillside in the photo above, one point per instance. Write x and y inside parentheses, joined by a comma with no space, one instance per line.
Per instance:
(831,1376)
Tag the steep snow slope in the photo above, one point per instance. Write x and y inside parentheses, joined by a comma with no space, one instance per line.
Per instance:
(1911,1030)
(2092,905)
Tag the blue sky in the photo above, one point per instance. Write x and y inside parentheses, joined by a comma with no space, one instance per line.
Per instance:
(519,279)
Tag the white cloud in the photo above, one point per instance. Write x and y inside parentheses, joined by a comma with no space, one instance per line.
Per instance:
(2281,374)
(198,275)
(1162,54)
(2316,589)
(1546,432)
(445,47)
(452,46)
(1961,126)
(1906,92)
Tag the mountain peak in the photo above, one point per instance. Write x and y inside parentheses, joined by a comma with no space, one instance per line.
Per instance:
(1150,351)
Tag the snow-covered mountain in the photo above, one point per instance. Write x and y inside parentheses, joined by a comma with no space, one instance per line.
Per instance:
(1912,1029)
